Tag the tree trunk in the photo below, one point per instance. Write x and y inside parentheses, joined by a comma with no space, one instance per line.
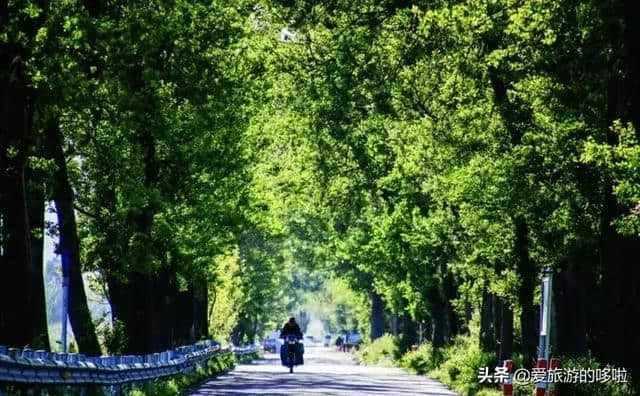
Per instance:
(487,331)
(377,315)
(573,303)
(118,290)
(408,329)
(165,309)
(527,272)
(439,322)
(121,313)
(619,286)
(149,288)
(21,306)
(496,313)
(632,60)
(184,307)
(150,315)
(394,324)
(36,208)
(201,311)
(506,332)
(69,246)
(443,318)
(449,291)
(618,253)
(143,303)
(147,330)
(254,329)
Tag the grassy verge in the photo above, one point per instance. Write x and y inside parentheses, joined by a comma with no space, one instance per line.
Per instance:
(179,384)
(458,365)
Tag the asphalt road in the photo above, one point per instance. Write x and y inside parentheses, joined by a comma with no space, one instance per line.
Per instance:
(325,372)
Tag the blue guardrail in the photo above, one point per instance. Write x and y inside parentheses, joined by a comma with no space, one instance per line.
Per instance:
(45,369)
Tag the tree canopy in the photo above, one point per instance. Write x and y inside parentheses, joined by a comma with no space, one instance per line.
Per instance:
(219,164)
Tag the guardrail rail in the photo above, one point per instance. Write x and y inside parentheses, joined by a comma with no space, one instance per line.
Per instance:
(46,369)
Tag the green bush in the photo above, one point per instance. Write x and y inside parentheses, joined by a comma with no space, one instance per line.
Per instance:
(456,365)
(585,389)
(421,361)
(249,357)
(383,351)
(114,337)
(489,392)
(461,363)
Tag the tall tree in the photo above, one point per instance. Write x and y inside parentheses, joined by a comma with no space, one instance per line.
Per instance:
(22,306)
(69,244)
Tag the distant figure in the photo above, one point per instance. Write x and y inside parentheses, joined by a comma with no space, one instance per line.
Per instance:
(291,327)
(339,342)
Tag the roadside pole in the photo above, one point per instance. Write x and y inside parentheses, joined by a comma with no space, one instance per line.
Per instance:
(507,387)
(65,304)
(545,330)
(65,297)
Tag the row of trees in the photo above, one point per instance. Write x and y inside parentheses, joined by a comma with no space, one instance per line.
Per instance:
(436,156)
(130,117)
(439,155)
(136,120)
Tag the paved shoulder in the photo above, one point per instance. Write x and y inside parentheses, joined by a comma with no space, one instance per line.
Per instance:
(324,373)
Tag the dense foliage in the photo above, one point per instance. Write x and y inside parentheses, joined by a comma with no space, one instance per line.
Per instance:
(215,162)
(457,149)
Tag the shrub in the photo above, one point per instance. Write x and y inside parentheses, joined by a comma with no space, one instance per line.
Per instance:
(248,358)
(585,389)
(114,338)
(461,363)
(489,392)
(423,360)
(383,351)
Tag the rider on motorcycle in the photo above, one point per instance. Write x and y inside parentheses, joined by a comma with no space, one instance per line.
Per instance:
(291,327)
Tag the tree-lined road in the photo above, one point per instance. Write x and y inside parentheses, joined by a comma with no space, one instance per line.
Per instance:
(325,372)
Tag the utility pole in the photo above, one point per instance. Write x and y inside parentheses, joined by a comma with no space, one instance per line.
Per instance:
(545,331)
(65,294)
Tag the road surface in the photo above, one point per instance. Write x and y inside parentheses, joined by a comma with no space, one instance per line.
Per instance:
(325,372)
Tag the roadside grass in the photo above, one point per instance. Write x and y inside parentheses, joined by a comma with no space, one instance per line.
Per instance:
(457,366)
(179,384)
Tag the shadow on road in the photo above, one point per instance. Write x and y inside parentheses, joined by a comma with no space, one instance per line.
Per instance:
(325,373)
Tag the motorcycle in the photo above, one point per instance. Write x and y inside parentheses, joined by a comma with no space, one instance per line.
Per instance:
(291,354)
